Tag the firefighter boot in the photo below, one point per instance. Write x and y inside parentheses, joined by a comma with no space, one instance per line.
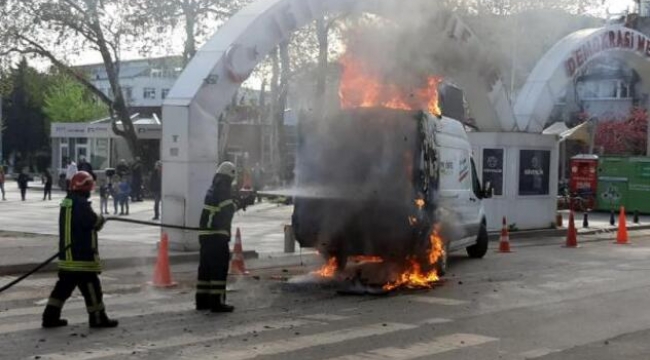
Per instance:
(52,317)
(222,308)
(101,320)
(202,302)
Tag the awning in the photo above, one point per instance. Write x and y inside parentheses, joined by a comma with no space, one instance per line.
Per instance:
(578,133)
(556,129)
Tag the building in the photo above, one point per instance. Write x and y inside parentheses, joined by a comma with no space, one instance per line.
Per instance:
(97,142)
(145,83)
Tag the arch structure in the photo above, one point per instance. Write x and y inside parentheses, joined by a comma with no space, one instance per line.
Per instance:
(190,132)
(563,62)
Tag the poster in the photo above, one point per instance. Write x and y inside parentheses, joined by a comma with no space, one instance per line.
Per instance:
(534,169)
(493,169)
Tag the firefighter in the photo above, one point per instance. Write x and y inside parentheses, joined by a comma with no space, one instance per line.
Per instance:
(216,218)
(79,264)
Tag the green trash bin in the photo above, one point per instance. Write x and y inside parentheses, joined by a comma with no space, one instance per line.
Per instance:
(612,192)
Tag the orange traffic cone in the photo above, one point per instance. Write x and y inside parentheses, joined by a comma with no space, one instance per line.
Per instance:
(572,233)
(504,242)
(237,265)
(621,236)
(162,276)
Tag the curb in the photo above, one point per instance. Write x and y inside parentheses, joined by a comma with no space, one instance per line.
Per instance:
(116,263)
(494,236)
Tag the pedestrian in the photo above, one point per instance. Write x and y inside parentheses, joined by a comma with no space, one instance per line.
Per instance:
(216,219)
(86,166)
(114,192)
(47,181)
(2,182)
(258,180)
(103,197)
(136,180)
(125,192)
(155,184)
(23,178)
(79,264)
(70,170)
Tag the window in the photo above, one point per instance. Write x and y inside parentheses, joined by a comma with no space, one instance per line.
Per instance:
(127,93)
(156,73)
(149,93)
(164,93)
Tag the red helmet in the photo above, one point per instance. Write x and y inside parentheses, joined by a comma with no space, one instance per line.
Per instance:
(82,182)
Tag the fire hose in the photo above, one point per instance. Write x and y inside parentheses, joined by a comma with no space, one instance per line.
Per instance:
(50,259)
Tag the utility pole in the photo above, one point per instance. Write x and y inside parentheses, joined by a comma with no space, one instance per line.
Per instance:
(1,131)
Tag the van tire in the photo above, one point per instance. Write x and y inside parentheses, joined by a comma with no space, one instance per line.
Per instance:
(478,250)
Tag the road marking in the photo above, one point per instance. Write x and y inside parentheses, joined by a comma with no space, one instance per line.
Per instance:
(435,321)
(307,341)
(77,303)
(437,300)
(437,346)
(537,353)
(325,317)
(178,341)
(154,309)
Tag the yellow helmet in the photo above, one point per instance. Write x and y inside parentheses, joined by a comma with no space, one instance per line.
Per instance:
(227,168)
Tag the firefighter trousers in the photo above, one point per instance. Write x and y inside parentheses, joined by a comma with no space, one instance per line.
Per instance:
(90,287)
(213,271)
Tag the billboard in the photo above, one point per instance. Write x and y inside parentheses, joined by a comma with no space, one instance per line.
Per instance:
(493,169)
(534,172)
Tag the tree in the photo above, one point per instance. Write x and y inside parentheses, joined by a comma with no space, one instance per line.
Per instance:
(626,137)
(197,18)
(66,100)
(27,128)
(56,29)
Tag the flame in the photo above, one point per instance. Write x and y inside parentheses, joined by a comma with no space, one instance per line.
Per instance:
(361,88)
(419,203)
(329,269)
(413,277)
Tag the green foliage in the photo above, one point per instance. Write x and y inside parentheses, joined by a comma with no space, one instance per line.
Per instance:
(67,100)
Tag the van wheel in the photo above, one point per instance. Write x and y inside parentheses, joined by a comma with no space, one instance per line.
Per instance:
(478,250)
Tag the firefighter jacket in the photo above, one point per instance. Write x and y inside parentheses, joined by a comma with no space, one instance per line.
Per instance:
(218,210)
(78,226)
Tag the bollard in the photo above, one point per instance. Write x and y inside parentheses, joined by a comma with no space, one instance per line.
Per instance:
(289,240)
(585,220)
(612,219)
(558,220)
(636,216)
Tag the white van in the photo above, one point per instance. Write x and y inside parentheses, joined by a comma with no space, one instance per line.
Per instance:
(374,182)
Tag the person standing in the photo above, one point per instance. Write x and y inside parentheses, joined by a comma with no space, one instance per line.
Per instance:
(2,182)
(47,181)
(114,192)
(125,192)
(103,198)
(122,168)
(22,183)
(216,220)
(258,180)
(136,180)
(79,264)
(155,184)
(86,166)
(69,173)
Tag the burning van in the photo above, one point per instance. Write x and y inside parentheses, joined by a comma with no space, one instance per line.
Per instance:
(393,184)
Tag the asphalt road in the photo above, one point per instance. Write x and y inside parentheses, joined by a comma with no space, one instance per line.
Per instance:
(540,302)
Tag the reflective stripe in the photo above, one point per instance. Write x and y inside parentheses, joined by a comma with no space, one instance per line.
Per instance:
(202,282)
(212,208)
(217,291)
(223,283)
(202,291)
(55,302)
(80,266)
(214,232)
(68,233)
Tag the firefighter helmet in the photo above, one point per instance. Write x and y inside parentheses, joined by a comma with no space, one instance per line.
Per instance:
(227,168)
(82,182)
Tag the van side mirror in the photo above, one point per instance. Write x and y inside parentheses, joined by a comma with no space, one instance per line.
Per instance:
(488,190)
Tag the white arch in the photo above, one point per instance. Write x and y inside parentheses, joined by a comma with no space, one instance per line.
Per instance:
(189,143)
(552,74)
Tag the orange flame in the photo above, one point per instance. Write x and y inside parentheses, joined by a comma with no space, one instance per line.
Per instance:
(361,88)
(366,259)
(329,269)
(413,277)
(419,203)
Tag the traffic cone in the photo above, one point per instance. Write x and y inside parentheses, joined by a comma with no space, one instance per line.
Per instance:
(237,265)
(162,276)
(572,233)
(621,236)
(504,242)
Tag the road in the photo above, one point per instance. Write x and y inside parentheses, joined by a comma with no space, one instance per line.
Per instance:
(541,302)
